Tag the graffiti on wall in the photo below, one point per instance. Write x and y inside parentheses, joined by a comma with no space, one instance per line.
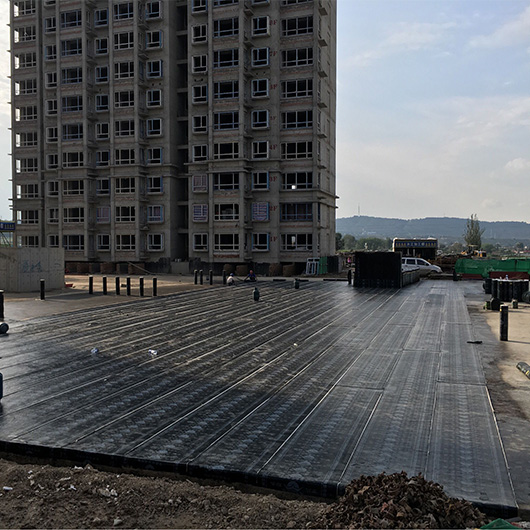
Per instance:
(29,267)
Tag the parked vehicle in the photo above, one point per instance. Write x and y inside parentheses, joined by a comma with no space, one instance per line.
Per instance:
(426,268)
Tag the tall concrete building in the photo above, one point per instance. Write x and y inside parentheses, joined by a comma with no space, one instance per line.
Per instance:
(152,131)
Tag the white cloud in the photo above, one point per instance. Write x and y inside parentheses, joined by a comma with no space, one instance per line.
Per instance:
(512,33)
(518,165)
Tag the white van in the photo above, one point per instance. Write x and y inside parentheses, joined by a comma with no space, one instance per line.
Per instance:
(410,264)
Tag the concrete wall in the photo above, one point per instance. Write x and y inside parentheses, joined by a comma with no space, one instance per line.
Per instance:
(21,269)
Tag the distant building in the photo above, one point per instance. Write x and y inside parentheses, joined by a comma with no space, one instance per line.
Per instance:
(422,248)
(149,131)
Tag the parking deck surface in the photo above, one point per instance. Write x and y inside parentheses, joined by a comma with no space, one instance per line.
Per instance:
(305,389)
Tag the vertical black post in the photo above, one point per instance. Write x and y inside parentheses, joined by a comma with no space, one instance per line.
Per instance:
(2,305)
(117,285)
(104,285)
(155,290)
(1,386)
(504,322)
(91,285)
(195,273)
(349,276)
(42,290)
(201,276)
(141,286)
(224,277)
(128,286)
(211,277)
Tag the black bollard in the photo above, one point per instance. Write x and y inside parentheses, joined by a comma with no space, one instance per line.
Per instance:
(349,276)
(504,322)
(141,286)
(155,286)
(117,285)
(104,285)
(1,386)
(4,328)
(201,276)
(2,305)
(91,285)
(297,283)
(128,286)
(42,290)
(195,274)
(211,276)
(224,277)
(256,294)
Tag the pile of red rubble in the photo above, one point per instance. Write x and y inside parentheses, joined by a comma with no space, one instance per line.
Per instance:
(399,501)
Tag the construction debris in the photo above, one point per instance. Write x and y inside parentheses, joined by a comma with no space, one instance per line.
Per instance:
(399,501)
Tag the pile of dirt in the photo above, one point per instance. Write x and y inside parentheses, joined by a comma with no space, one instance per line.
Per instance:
(399,501)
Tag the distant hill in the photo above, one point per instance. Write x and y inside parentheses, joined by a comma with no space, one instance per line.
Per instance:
(445,229)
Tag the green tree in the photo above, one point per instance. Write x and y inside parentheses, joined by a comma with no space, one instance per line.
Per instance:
(349,242)
(473,233)
(371,243)
(339,243)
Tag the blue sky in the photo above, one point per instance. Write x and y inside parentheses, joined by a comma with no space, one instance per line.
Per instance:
(433,109)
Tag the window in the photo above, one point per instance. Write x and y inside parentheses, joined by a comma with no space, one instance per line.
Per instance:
(125,242)
(293,2)
(102,158)
(72,103)
(71,19)
(124,98)
(154,97)
(102,102)
(155,242)
(199,94)
(101,17)
(26,87)
(103,186)
(226,243)
(102,130)
(225,150)
(73,215)
(260,26)
(71,47)
(124,70)
(102,74)
(73,187)
(221,3)
(200,124)
(153,10)
(154,127)
(260,88)
(226,27)
(199,63)
(199,183)
(125,214)
(52,161)
(53,189)
(73,131)
(297,119)
(123,11)
(50,25)
(50,52)
(199,33)
(260,149)
(52,134)
(26,113)
(302,180)
(296,211)
(260,180)
(297,149)
(155,185)
(26,139)
(103,242)
(26,165)
(260,211)
(23,7)
(125,185)
(296,242)
(73,159)
(28,241)
(51,79)
(28,191)
(198,6)
(103,214)
(226,212)
(101,46)
(200,153)
(51,107)
(260,57)
(155,214)
(200,242)
(124,41)
(28,217)
(226,120)
(297,26)
(297,57)
(124,157)
(154,69)
(53,215)
(226,58)
(25,60)
(297,88)
(226,181)
(71,75)
(124,128)
(74,242)
(153,39)
(154,155)
(53,240)
(226,89)
(260,242)
(200,213)
(24,34)
(260,119)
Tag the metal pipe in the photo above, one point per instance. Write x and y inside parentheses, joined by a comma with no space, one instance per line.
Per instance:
(141,285)
(155,286)
(42,289)
(504,322)
(117,285)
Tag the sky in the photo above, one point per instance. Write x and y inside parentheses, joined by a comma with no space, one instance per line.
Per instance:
(433,109)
